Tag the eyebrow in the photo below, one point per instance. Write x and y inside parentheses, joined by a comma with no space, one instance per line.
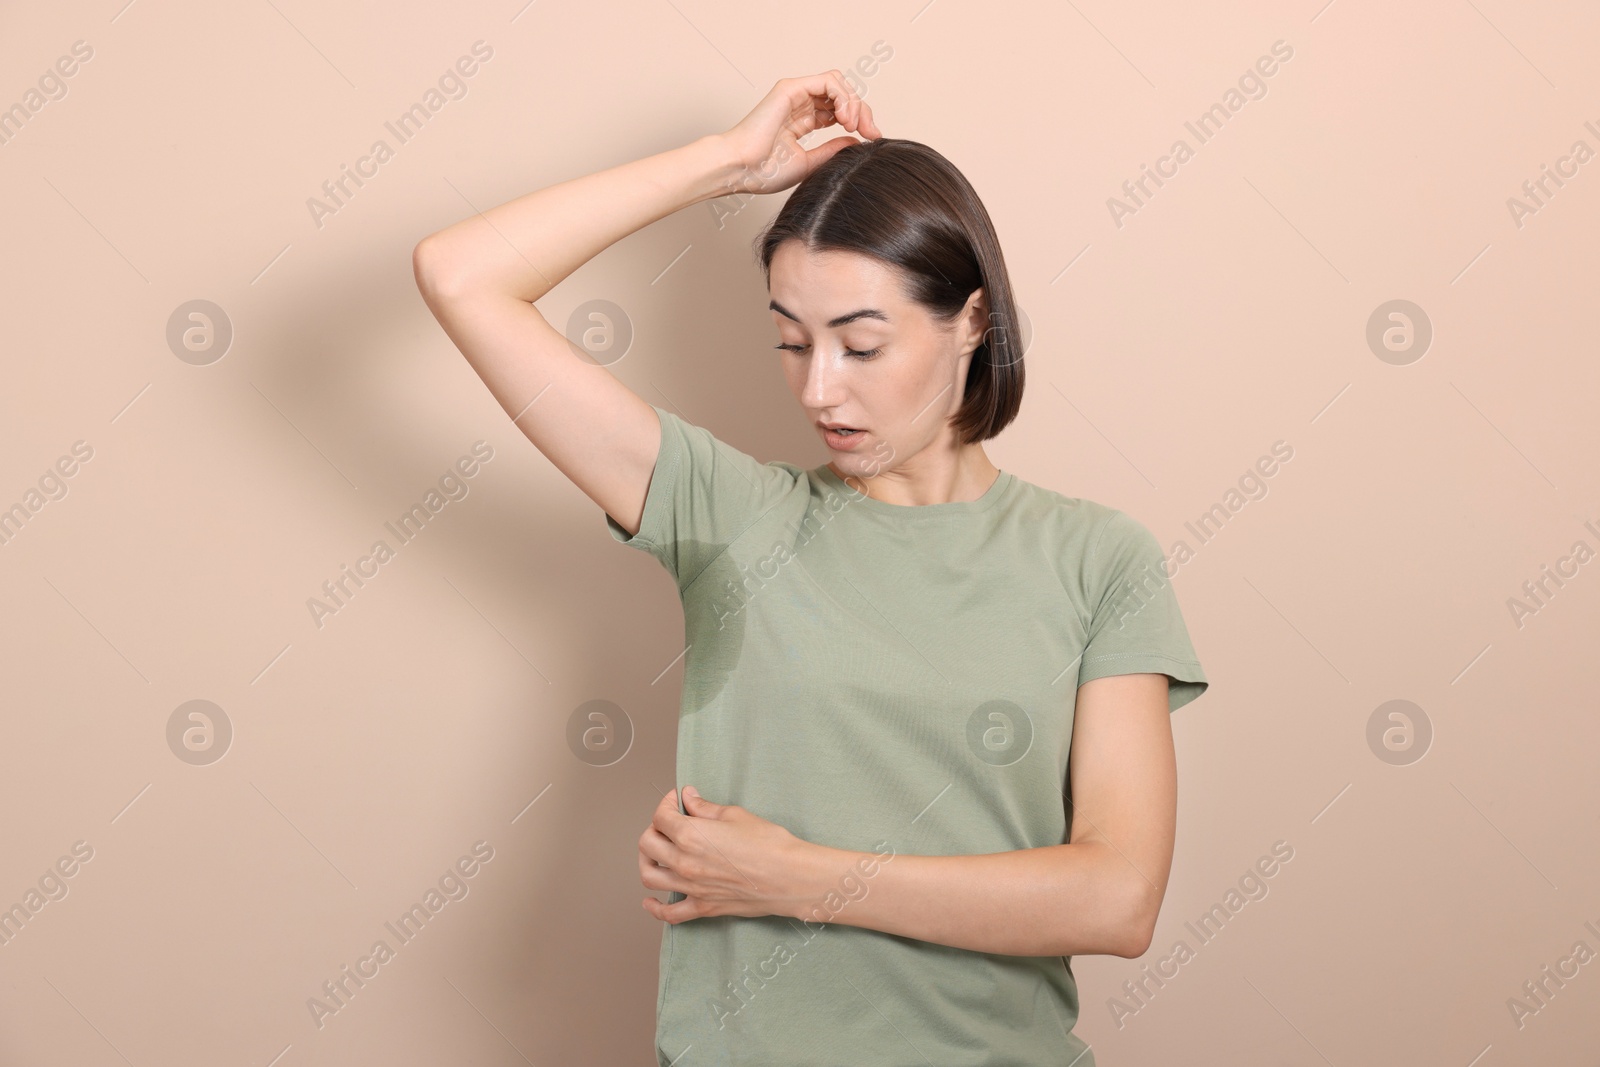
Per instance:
(842,320)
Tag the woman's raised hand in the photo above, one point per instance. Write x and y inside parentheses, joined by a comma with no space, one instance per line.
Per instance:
(767,141)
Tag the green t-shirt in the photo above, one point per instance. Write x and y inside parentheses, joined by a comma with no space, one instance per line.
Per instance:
(887,679)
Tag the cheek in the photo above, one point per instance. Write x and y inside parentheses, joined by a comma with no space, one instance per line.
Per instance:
(793,373)
(930,376)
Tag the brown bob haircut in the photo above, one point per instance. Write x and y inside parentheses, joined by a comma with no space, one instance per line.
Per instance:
(903,203)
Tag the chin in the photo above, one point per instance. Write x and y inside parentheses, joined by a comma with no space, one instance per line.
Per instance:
(864,466)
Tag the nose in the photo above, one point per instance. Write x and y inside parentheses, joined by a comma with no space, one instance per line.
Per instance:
(822,389)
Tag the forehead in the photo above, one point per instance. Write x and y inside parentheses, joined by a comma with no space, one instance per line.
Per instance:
(818,283)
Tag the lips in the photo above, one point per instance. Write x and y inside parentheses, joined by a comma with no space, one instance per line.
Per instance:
(844,442)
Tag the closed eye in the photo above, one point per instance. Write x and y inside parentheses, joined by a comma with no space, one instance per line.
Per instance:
(863,356)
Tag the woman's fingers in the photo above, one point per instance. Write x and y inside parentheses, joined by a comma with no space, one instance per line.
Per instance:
(655,877)
(867,126)
(849,106)
(682,911)
(832,101)
(657,855)
(666,810)
(766,139)
(857,113)
(842,101)
(658,847)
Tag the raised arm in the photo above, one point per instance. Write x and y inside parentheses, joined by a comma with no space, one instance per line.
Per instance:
(481,276)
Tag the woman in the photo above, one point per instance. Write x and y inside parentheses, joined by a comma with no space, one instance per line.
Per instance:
(905,666)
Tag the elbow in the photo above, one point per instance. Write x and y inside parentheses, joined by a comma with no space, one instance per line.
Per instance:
(427,270)
(1138,927)
(1136,940)
(437,271)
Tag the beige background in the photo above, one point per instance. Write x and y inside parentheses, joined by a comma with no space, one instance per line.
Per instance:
(1229,312)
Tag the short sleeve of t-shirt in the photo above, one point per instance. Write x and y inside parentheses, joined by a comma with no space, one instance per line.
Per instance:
(703,494)
(1136,626)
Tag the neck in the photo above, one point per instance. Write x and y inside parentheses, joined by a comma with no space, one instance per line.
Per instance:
(925,478)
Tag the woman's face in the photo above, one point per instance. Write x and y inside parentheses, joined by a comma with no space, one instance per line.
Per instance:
(834,308)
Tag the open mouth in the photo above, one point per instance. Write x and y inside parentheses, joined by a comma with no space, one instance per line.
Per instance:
(843,437)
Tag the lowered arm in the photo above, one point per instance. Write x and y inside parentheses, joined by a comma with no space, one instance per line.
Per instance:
(1097,894)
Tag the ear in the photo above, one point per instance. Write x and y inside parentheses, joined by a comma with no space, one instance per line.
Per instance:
(977,319)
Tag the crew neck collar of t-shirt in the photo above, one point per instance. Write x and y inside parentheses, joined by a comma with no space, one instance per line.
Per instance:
(990,497)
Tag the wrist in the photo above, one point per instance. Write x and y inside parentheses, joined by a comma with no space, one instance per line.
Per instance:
(720,169)
(820,877)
